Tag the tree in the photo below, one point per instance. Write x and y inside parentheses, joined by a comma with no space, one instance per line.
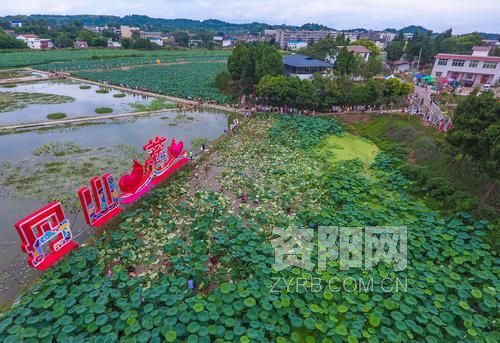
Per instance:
(371,67)
(248,63)
(268,61)
(181,38)
(238,60)
(127,43)
(143,44)
(86,35)
(370,45)
(321,49)
(223,81)
(7,42)
(99,42)
(63,41)
(394,50)
(347,63)
(421,45)
(476,134)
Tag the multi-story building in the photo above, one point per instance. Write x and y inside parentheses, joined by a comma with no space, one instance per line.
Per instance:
(296,44)
(34,42)
(285,36)
(127,31)
(470,70)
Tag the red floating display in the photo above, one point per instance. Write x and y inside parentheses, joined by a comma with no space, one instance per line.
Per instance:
(47,225)
(46,235)
(160,165)
(103,203)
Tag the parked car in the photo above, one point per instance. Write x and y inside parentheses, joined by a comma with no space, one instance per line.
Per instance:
(486,87)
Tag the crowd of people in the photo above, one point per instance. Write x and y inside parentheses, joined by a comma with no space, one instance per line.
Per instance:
(423,106)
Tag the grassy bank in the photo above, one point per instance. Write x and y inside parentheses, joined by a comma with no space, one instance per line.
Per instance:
(441,180)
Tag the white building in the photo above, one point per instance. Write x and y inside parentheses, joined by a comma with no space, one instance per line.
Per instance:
(16,23)
(470,70)
(296,44)
(114,45)
(34,42)
(401,66)
(157,41)
(284,36)
(228,42)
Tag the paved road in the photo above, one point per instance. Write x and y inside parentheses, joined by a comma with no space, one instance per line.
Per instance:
(430,106)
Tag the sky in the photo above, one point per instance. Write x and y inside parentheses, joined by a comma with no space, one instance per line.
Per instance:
(438,15)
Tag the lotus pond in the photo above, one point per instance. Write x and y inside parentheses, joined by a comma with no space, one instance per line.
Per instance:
(131,284)
(33,101)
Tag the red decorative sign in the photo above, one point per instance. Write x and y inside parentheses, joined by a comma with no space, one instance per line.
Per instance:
(46,229)
(102,203)
(160,165)
(46,234)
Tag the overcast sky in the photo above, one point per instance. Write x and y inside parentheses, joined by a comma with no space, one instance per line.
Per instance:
(461,15)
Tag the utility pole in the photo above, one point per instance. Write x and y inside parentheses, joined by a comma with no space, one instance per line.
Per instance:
(419,55)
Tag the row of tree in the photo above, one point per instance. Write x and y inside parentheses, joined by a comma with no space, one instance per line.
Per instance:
(323,92)
(425,45)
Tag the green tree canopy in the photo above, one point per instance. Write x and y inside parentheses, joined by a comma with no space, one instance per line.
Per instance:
(476,133)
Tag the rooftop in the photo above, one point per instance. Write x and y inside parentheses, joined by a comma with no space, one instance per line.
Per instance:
(481,48)
(400,62)
(470,57)
(28,35)
(358,49)
(304,61)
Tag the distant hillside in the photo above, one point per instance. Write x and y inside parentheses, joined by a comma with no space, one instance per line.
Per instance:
(408,29)
(315,27)
(494,36)
(149,23)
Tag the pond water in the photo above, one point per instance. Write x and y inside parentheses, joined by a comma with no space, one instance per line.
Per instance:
(84,104)
(134,131)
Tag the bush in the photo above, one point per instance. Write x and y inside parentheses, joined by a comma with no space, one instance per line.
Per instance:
(85,87)
(55,116)
(103,110)
(119,95)
(102,91)
(10,85)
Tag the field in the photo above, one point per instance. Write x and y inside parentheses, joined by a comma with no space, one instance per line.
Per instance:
(187,80)
(31,58)
(276,172)
(123,63)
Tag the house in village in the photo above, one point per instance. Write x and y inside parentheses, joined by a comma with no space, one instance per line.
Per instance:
(359,50)
(470,70)
(34,42)
(303,67)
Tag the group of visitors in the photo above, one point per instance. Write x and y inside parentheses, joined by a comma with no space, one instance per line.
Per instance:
(427,110)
